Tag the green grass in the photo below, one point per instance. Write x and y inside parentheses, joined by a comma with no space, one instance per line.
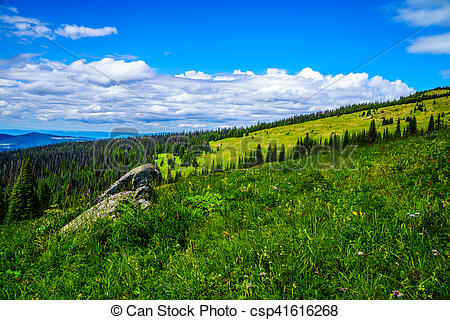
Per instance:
(290,231)
(163,157)
(231,148)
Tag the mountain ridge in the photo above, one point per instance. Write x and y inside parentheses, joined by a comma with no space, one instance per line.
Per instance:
(33,139)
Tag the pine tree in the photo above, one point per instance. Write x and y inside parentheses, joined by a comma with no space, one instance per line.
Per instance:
(259,155)
(282,156)
(372,135)
(3,204)
(412,128)
(44,197)
(23,202)
(296,152)
(269,153)
(307,142)
(438,122)
(398,132)
(273,156)
(346,139)
(431,124)
(336,142)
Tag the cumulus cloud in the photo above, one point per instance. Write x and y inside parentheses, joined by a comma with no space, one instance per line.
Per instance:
(118,70)
(42,91)
(192,74)
(439,44)
(247,73)
(75,32)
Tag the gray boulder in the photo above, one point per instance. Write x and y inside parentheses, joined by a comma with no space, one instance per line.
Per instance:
(139,179)
(137,185)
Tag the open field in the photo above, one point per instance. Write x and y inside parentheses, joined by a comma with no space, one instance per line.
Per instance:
(277,232)
(230,149)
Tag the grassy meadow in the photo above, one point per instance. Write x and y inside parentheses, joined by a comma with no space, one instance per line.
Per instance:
(230,149)
(281,231)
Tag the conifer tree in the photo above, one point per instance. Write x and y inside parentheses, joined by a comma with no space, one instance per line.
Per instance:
(412,128)
(372,135)
(296,152)
(44,197)
(273,156)
(336,142)
(431,124)
(3,204)
(398,132)
(307,142)
(259,155)
(438,121)
(23,202)
(282,156)
(269,153)
(346,139)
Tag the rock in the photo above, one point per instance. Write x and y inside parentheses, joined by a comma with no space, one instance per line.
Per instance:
(103,209)
(136,185)
(139,179)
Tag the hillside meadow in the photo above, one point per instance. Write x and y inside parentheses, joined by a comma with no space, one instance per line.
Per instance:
(314,229)
(231,148)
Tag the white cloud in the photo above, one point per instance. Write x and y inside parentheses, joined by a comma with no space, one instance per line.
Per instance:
(427,13)
(122,56)
(158,109)
(75,32)
(43,88)
(192,74)
(191,125)
(19,19)
(309,73)
(422,13)
(439,44)
(19,59)
(246,73)
(12,9)
(118,70)
(52,93)
(24,27)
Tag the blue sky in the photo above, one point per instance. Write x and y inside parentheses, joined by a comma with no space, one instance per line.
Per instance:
(151,46)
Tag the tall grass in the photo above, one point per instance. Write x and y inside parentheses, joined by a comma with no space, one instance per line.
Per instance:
(279,232)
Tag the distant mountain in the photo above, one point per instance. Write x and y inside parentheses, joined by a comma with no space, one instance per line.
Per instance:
(33,139)
(4,136)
